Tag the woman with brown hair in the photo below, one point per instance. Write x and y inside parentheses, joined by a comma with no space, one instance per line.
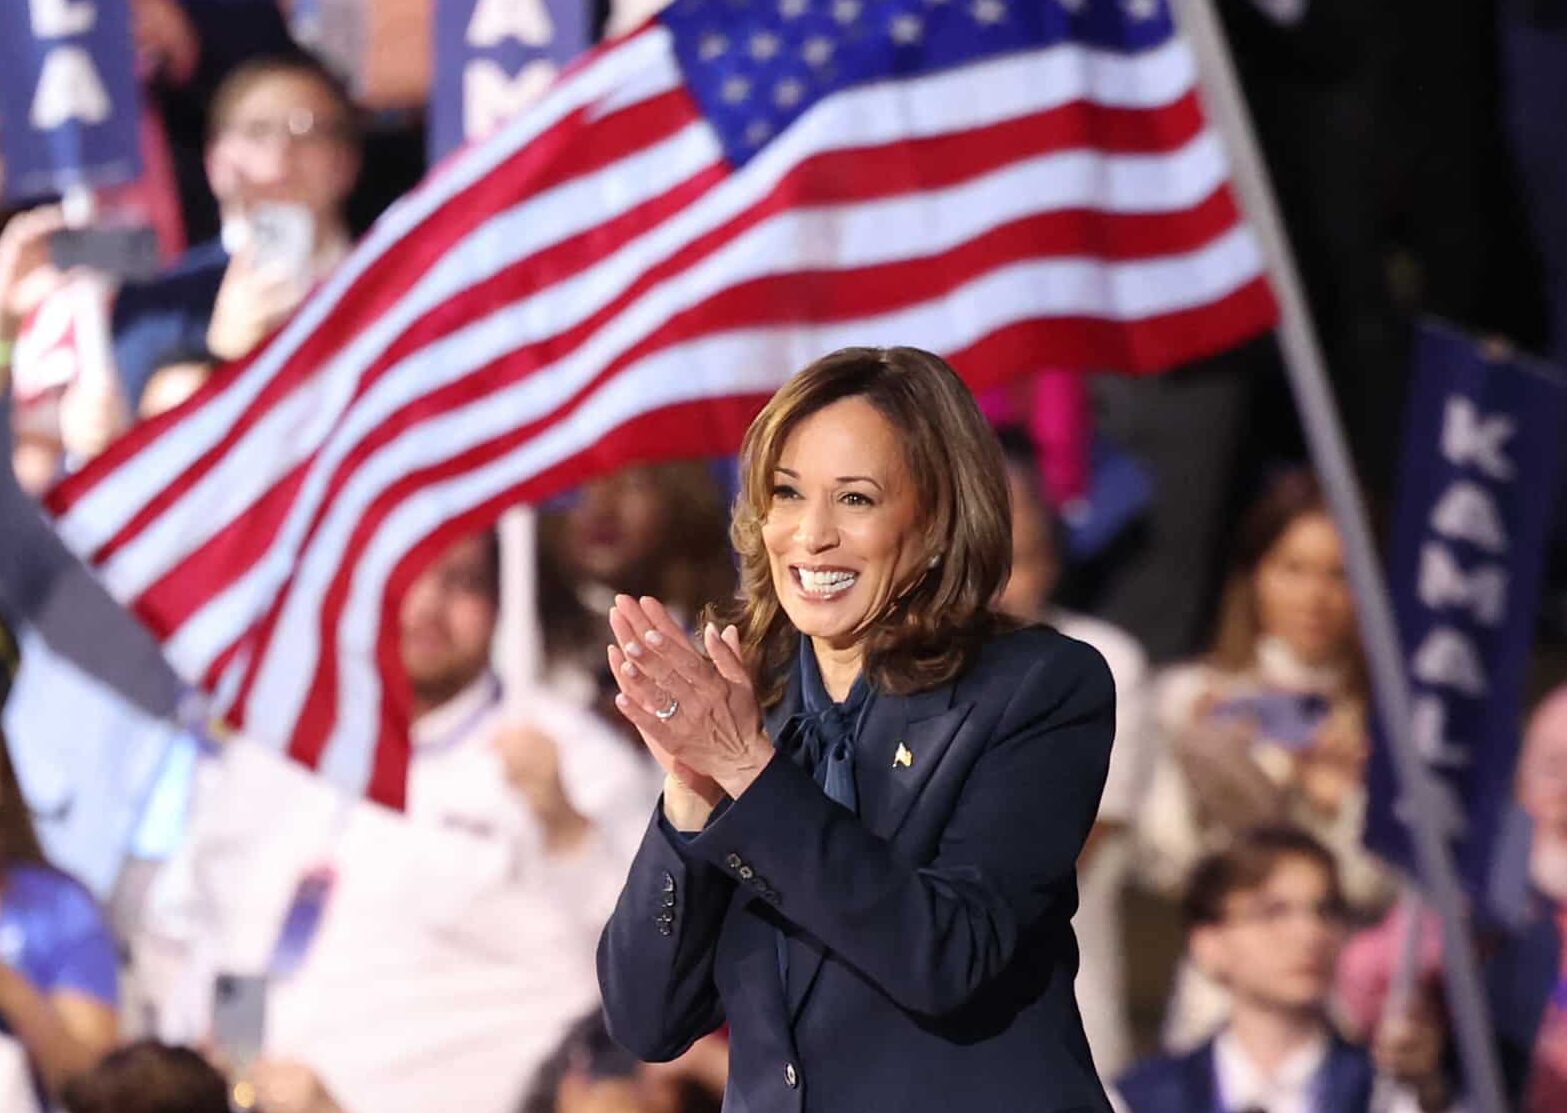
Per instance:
(877,788)
(1270,726)
(58,968)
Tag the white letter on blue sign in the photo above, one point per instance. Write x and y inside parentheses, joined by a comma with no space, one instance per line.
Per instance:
(61,19)
(1448,659)
(68,89)
(1443,584)
(495,21)
(1428,724)
(1466,512)
(1469,438)
(490,98)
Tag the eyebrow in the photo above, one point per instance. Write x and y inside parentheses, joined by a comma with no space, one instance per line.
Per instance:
(841,479)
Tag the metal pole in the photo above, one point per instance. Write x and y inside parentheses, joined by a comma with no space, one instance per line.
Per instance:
(1314,400)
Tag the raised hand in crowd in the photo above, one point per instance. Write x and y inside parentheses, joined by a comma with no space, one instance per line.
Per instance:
(1408,1048)
(286,1086)
(532,762)
(26,276)
(93,413)
(697,715)
(1333,768)
(254,299)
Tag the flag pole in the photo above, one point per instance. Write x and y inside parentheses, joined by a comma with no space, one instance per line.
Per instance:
(1374,612)
(519,649)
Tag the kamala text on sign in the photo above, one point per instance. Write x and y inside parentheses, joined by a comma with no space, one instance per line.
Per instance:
(493,58)
(69,112)
(1481,462)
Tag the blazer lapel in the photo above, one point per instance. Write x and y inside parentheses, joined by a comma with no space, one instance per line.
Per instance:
(904,741)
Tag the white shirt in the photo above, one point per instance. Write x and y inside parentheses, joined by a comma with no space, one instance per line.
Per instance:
(1292,1088)
(1100,985)
(453,951)
(1242,1085)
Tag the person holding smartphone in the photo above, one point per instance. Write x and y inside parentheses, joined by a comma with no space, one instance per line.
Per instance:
(1270,727)
(282,156)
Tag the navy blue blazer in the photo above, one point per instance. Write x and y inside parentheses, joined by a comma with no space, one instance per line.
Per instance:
(1188,1083)
(930,947)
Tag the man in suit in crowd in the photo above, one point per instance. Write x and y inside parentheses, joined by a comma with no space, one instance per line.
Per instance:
(1267,919)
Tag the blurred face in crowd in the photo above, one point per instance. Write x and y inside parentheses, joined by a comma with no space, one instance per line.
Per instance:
(285,139)
(448,618)
(1278,944)
(843,530)
(615,529)
(1303,596)
(1542,794)
(1034,567)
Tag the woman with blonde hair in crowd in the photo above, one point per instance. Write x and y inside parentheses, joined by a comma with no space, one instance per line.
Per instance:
(1270,726)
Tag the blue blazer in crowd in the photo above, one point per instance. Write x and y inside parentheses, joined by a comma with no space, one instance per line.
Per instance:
(1189,1083)
(930,953)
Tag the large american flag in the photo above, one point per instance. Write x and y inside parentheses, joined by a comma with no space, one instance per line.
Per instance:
(626,273)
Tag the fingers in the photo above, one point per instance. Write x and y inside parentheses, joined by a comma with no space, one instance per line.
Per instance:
(646,691)
(664,656)
(724,649)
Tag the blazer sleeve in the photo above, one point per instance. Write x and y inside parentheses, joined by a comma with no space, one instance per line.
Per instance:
(655,956)
(931,937)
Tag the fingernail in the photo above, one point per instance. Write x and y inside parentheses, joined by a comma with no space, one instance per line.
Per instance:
(621,701)
(634,649)
(731,629)
(628,668)
(655,638)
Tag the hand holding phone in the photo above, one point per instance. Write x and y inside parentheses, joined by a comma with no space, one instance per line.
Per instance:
(1288,719)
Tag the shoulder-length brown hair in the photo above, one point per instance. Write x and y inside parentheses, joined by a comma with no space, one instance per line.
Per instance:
(1289,497)
(933,629)
(19,843)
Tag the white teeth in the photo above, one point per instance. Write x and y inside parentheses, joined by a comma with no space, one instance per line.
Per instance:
(826,583)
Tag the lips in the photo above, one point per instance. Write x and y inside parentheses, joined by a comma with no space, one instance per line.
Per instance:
(823,583)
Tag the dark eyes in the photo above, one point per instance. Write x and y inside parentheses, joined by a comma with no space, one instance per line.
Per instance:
(848,498)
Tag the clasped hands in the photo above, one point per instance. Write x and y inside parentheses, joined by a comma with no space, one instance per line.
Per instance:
(697,715)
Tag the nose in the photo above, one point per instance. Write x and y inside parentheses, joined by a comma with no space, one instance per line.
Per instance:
(816,531)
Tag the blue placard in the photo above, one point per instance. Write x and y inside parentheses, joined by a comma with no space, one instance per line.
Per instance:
(70,112)
(1482,460)
(495,57)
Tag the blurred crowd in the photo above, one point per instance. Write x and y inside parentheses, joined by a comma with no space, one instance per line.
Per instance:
(290,951)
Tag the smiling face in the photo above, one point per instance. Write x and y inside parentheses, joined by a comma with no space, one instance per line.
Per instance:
(843,530)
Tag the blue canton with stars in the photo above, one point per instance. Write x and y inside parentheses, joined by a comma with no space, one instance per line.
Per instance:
(755,66)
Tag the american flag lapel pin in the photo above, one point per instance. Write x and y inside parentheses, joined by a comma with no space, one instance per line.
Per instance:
(903,757)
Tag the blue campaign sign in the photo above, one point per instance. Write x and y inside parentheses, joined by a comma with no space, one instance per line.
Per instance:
(70,113)
(493,58)
(1481,464)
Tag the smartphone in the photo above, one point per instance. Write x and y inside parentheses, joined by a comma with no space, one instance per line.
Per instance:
(127,254)
(1288,719)
(239,1013)
(283,237)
